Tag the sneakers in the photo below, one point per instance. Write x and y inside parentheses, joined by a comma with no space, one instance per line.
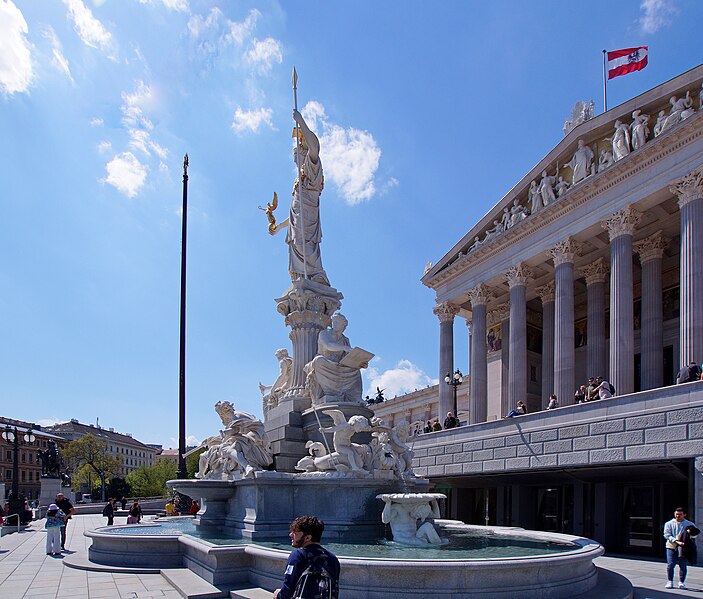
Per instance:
(682,585)
(669,585)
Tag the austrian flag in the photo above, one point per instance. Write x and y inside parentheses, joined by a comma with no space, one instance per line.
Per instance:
(627,60)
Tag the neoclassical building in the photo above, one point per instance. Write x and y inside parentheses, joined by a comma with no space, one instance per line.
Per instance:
(591,265)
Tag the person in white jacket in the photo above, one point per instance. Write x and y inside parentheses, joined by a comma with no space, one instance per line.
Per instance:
(673,533)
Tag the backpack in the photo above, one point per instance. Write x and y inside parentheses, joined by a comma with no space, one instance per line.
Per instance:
(612,388)
(315,582)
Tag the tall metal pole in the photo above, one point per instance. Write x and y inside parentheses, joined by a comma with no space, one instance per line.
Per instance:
(182,470)
(300,175)
(605,89)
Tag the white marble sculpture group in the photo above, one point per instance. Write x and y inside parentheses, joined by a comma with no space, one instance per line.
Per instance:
(626,138)
(411,517)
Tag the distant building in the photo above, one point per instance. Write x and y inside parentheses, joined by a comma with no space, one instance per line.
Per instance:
(169,454)
(133,453)
(29,463)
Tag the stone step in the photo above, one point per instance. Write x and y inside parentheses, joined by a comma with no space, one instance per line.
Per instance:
(190,585)
(251,593)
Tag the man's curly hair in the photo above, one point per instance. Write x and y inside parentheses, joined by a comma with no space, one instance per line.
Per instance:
(308,525)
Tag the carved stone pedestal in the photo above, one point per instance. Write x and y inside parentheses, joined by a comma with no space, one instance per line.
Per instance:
(50,486)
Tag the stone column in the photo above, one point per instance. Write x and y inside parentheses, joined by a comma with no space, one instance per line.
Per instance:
(500,315)
(446,313)
(469,329)
(620,228)
(651,252)
(517,374)
(546,294)
(563,254)
(689,190)
(596,274)
(478,392)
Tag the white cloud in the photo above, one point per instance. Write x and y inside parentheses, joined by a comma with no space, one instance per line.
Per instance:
(657,14)
(404,378)
(197,25)
(126,174)
(90,29)
(59,60)
(251,120)
(50,421)
(350,156)
(16,70)
(178,5)
(96,122)
(104,147)
(242,30)
(138,125)
(191,441)
(262,54)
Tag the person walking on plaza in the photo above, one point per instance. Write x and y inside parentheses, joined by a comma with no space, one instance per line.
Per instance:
(123,501)
(312,570)
(680,546)
(67,508)
(109,511)
(54,525)
(135,513)
(451,421)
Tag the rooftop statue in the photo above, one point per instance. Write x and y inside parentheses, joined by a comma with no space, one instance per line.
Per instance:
(561,187)
(605,160)
(681,109)
(517,213)
(534,197)
(621,141)
(580,113)
(546,188)
(581,163)
(640,131)
(242,447)
(659,125)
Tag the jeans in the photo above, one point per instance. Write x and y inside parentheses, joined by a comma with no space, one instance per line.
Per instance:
(672,560)
(512,413)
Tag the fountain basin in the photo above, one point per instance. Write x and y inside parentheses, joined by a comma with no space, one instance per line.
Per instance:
(546,576)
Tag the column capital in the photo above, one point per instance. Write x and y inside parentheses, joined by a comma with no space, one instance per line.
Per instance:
(498,314)
(546,292)
(518,274)
(446,312)
(564,251)
(595,272)
(651,247)
(469,323)
(622,222)
(479,295)
(689,187)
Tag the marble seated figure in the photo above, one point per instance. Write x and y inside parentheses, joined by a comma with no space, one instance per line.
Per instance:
(411,522)
(272,394)
(681,109)
(327,379)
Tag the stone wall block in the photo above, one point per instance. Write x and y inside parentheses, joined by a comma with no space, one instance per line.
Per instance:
(494,442)
(454,448)
(573,458)
(549,435)
(453,469)
(578,430)
(420,471)
(626,438)
(472,467)
(530,449)
(517,463)
(648,421)
(514,440)
(460,458)
(493,465)
(646,452)
(669,433)
(685,415)
(505,452)
(484,454)
(472,445)
(420,453)
(435,470)
(444,459)
(429,461)
(592,442)
(558,446)
(613,454)
(609,426)
(543,460)
(436,450)
(695,430)
(684,449)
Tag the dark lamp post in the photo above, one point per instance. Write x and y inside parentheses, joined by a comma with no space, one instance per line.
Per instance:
(13,436)
(454,380)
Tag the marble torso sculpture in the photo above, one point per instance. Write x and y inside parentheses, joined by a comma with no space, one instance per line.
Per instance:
(659,125)
(639,128)
(621,141)
(327,379)
(410,516)
(241,447)
(272,394)
(581,162)
(681,109)
(546,188)
(535,197)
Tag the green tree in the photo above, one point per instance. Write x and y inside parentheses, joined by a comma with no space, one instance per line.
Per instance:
(192,465)
(150,481)
(90,459)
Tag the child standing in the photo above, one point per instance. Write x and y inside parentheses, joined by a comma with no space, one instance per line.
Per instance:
(54,522)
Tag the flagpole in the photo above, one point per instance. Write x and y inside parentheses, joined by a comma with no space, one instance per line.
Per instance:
(300,175)
(182,467)
(605,88)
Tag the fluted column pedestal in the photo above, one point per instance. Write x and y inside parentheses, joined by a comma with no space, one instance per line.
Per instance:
(689,190)
(563,255)
(620,228)
(517,374)
(446,313)
(651,252)
(596,347)
(478,390)
(546,294)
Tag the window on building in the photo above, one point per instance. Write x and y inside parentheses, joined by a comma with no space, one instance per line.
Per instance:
(8,475)
(9,456)
(23,475)
(23,457)
(37,476)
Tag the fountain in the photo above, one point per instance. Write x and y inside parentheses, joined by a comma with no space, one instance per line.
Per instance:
(320,451)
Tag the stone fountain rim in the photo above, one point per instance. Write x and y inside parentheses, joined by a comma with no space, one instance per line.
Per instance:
(410,497)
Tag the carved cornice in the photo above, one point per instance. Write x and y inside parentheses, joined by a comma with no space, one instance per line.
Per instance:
(623,222)
(546,292)
(479,295)
(518,274)
(446,312)
(595,272)
(565,251)
(469,323)
(688,187)
(651,247)
(498,314)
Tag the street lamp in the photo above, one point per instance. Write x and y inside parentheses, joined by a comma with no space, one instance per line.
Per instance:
(454,380)
(13,436)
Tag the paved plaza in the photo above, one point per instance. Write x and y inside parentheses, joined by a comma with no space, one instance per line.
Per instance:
(27,572)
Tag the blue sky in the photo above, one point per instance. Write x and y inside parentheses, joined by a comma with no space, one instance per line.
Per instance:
(428,113)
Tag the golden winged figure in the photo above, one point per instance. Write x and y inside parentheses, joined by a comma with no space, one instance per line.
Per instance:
(270,207)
